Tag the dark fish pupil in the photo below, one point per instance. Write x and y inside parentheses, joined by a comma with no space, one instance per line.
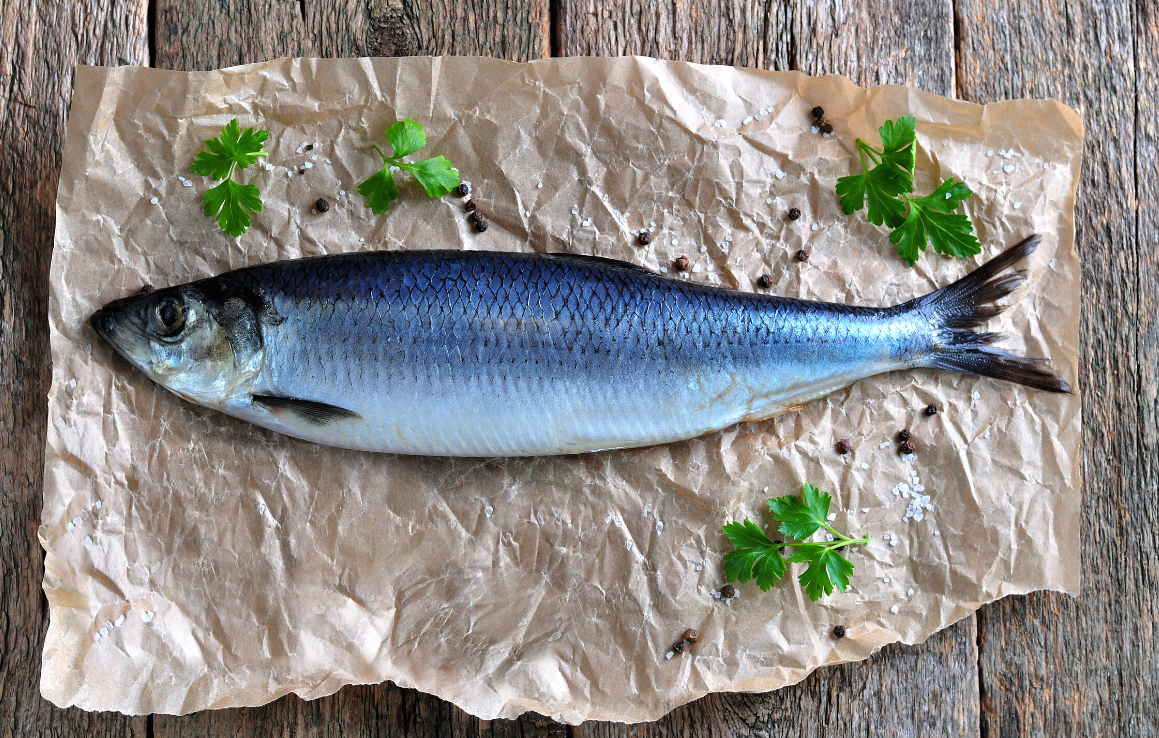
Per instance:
(169,314)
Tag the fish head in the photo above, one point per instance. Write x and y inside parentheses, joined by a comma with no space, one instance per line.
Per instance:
(198,343)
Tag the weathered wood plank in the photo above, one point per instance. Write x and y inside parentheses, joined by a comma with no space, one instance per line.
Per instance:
(1052,665)
(208,36)
(40,46)
(211,35)
(872,42)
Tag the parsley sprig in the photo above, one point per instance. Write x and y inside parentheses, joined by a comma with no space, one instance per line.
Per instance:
(756,556)
(436,174)
(230,200)
(886,186)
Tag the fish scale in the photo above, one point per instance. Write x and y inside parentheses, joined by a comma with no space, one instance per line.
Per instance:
(500,354)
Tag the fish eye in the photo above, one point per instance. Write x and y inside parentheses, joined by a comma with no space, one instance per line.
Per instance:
(169,316)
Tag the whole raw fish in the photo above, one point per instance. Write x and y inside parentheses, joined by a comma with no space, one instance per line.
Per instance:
(466,353)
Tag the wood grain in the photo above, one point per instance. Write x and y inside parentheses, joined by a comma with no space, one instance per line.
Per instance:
(40,46)
(1052,665)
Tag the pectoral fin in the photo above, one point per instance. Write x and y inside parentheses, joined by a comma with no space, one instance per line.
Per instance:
(316,413)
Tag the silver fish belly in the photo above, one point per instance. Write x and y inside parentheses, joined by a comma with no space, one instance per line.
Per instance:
(493,354)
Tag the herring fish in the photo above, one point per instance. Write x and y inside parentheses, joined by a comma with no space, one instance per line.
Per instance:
(467,353)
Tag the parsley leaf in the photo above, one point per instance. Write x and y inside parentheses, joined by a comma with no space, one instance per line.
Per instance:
(801,518)
(230,200)
(756,556)
(885,186)
(436,175)
(950,233)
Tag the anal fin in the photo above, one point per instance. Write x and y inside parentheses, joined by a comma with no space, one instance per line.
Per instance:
(313,412)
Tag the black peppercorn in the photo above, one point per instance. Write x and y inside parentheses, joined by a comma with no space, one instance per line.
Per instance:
(471,205)
(931,410)
(818,112)
(481,225)
(728,591)
(475,216)
(838,631)
(301,171)
(680,645)
(146,289)
(682,263)
(765,281)
(644,238)
(692,635)
(843,446)
(462,190)
(826,127)
(323,204)
(904,434)
(794,213)
(908,447)
(802,255)
(309,147)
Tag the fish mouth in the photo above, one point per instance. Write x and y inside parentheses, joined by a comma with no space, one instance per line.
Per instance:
(103,323)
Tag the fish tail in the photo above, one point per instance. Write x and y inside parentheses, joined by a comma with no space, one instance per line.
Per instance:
(966,304)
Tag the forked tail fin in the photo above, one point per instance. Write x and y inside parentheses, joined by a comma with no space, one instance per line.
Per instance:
(966,304)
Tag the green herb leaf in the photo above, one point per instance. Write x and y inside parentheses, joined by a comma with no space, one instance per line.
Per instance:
(827,569)
(436,175)
(379,190)
(931,216)
(801,518)
(754,556)
(231,202)
(406,137)
(885,187)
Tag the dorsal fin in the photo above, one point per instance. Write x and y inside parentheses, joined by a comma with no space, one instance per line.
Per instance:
(316,413)
(603,261)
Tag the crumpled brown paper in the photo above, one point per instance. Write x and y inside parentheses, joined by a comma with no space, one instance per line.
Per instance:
(222,564)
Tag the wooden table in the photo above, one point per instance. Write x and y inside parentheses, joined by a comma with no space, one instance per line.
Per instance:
(1044,664)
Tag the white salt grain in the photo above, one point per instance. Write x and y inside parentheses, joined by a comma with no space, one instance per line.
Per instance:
(720,124)
(695,268)
(748,119)
(187,183)
(180,178)
(1017,206)
(975,396)
(910,592)
(362,240)
(865,509)
(829,537)
(815,129)
(153,200)
(919,488)
(575,209)
(659,527)
(831,517)
(605,197)
(76,520)
(313,157)
(651,224)
(864,465)
(990,152)
(308,165)
(342,193)
(70,526)
(663,270)
(894,609)
(937,533)
(1008,168)
(539,186)
(883,444)
(766,490)
(699,567)
(885,536)
(527,213)
(629,545)
(119,621)
(815,226)
(893,542)
(768,201)
(704,249)
(885,579)
(98,503)
(261,509)
(88,543)
(668,655)
(147,616)
(489,511)
(779,174)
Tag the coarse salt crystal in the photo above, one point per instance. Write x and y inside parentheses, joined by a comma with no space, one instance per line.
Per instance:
(362,240)
(815,226)
(88,543)
(748,119)
(668,655)
(659,527)
(675,242)
(865,509)
(829,537)
(937,533)
(313,157)
(885,579)
(153,200)
(587,222)
(720,123)
(180,178)
(893,542)
(766,490)
(885,536)
(919,488)
(864,465)
(72,384)
(605,197)
(147,616)
(883,444)
(629,545)
(779,174)
(489,511)
(910,592)
(342,193)
(539,186)
(527,213)
(98,504)
(768,201)
(990,152)
(695,268)
(831,517)
(652,223)
(187,183)
(1017,206)
(663,270)
(699,567)
(76,520)
(728,238)
(815,129)
(1008,168)
(704,249)
(975,395)
(98,635)
(309,165)
(262,509)
(1052,263)
(119,621)
(894,609)
(70,526)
